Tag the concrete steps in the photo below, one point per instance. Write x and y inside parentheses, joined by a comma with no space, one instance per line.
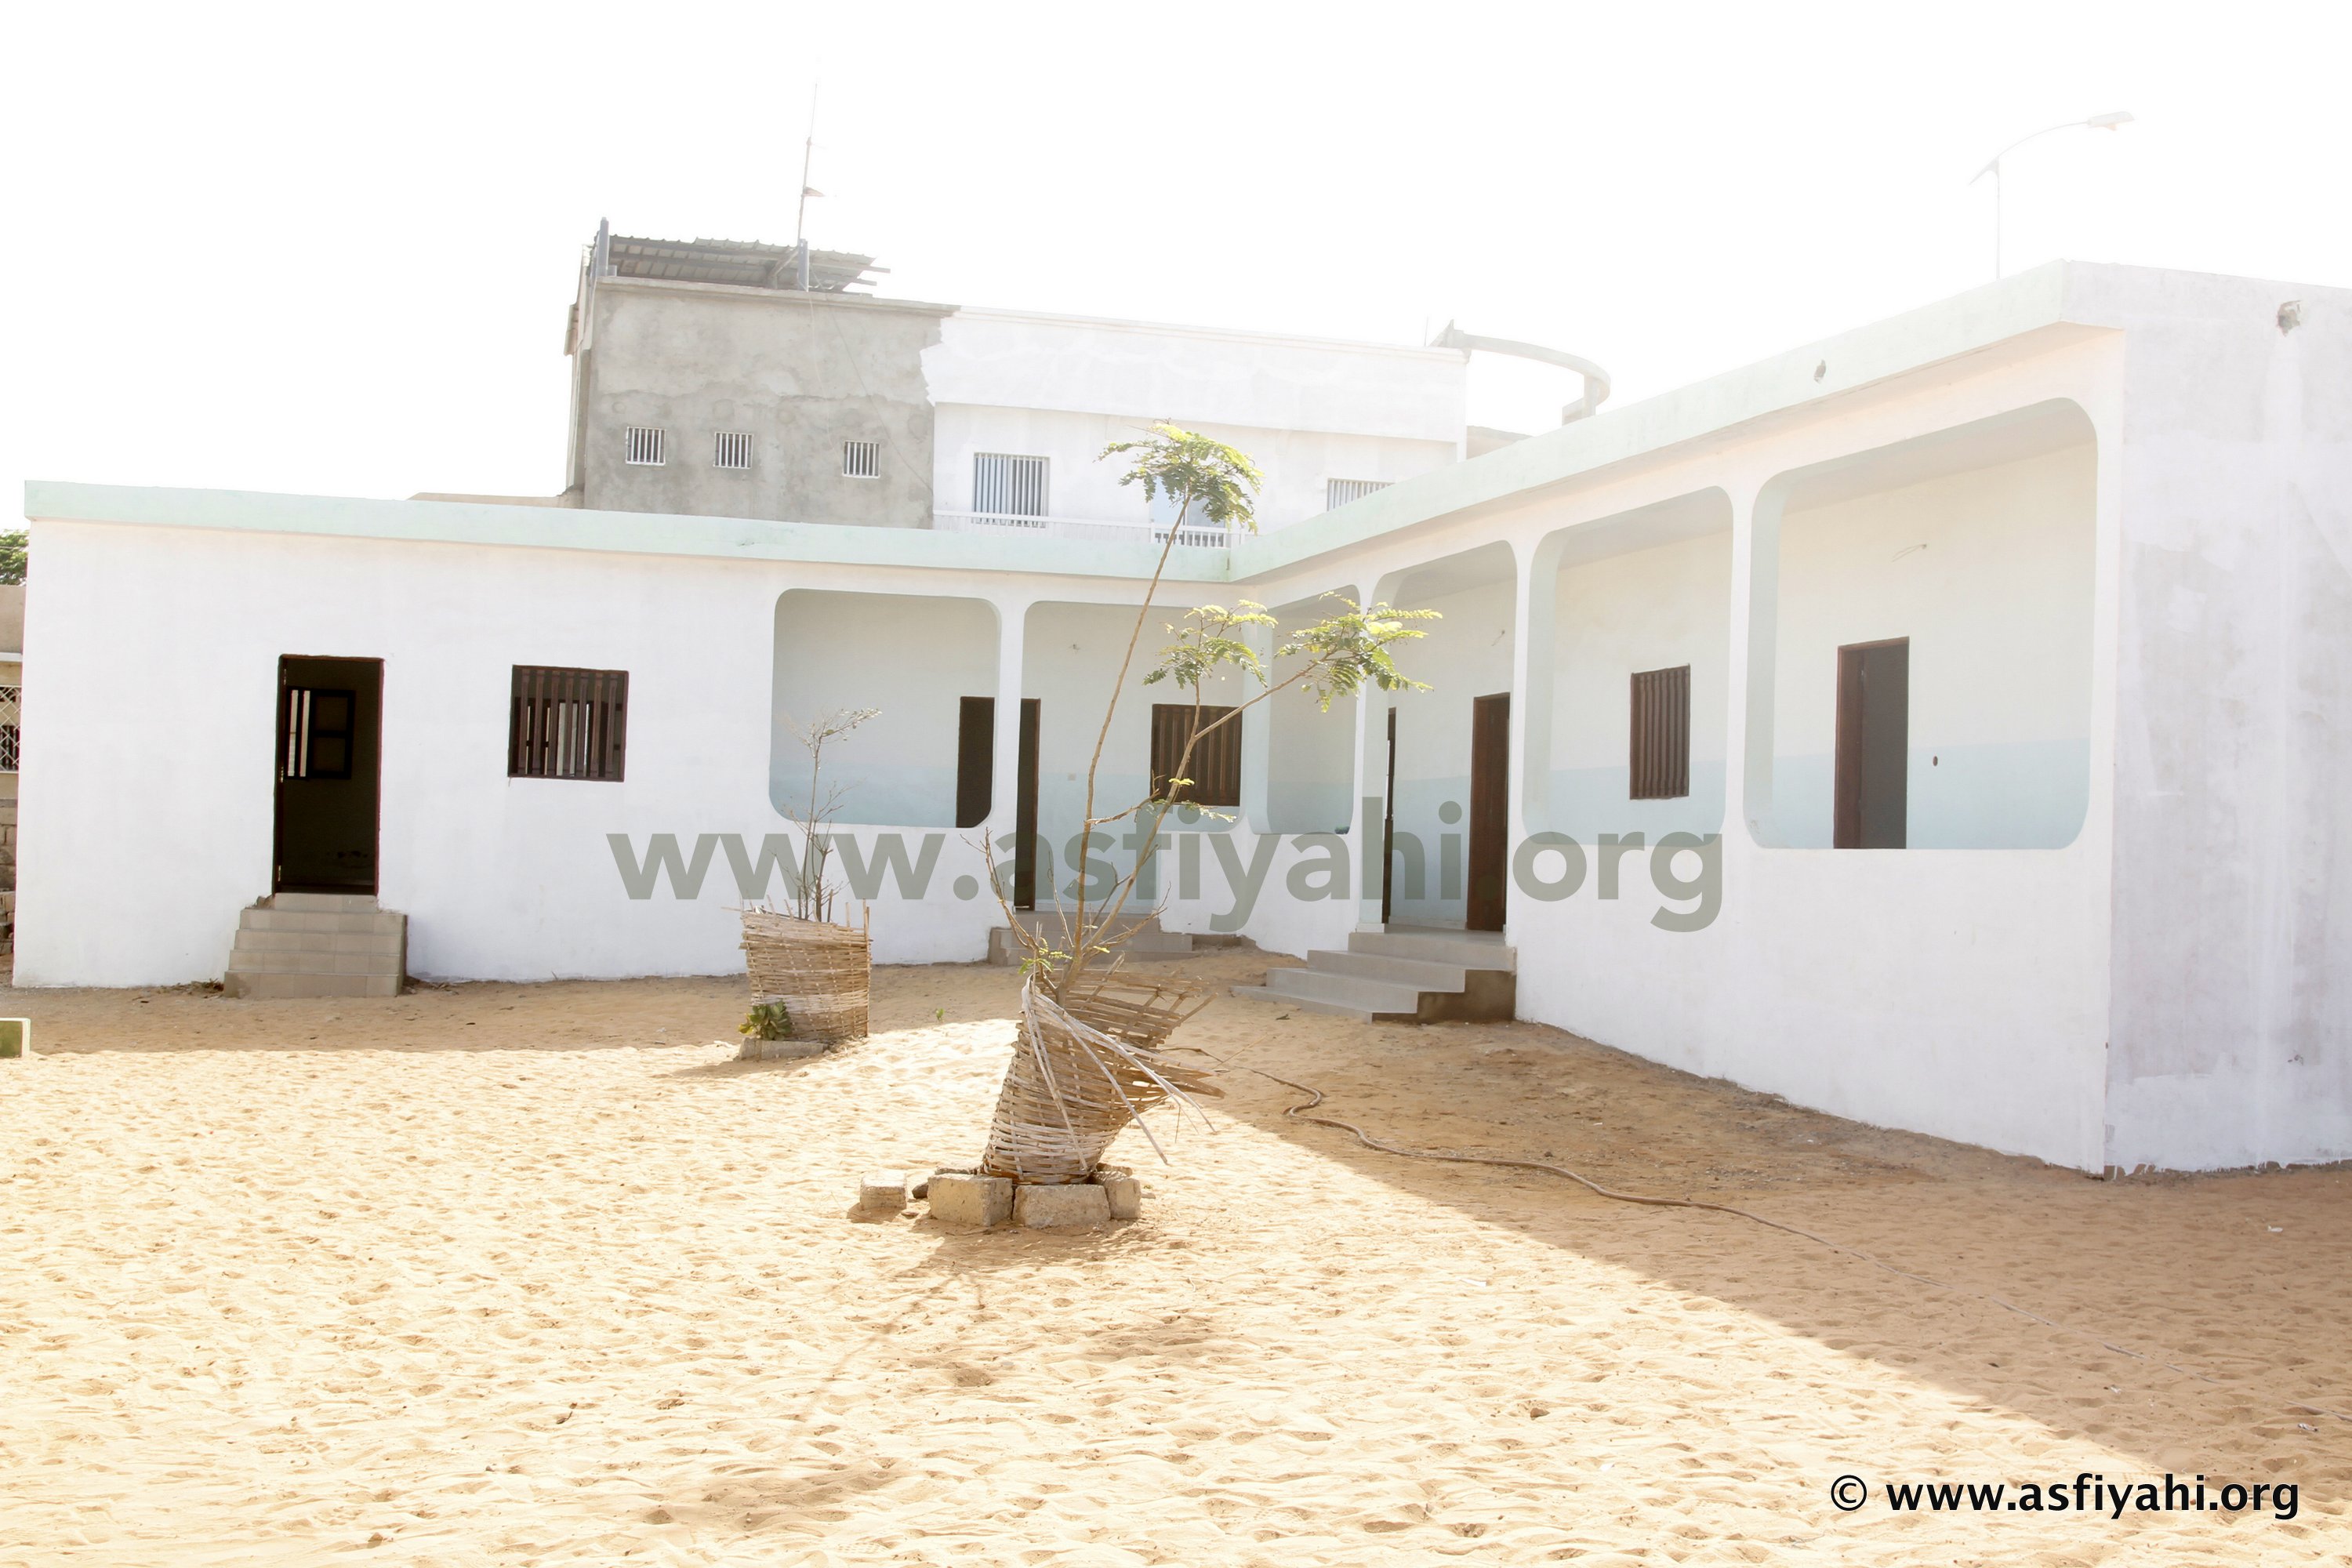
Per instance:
(318,944)
(1147,943)
(1404,974)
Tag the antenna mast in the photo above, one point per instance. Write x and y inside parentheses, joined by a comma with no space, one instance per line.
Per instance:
(800,218)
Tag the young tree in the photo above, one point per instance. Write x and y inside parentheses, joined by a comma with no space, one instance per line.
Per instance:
(1339,655)
(811,896)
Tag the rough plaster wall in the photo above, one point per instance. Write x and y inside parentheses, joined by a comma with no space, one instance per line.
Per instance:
(802,374)
(1649,609)
(2232,1007)
(1988,572)
(915,658)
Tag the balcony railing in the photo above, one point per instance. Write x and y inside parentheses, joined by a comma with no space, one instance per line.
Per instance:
(1191,536)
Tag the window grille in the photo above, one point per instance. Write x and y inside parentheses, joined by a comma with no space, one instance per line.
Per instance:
(567,723)
(1338,493)
(1660,751)
(11,710)
(644,446)
(316,724)
(1215,768)
(861,459)
(734,450)
(1007,485)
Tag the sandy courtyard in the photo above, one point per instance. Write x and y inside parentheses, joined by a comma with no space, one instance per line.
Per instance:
(537,1274)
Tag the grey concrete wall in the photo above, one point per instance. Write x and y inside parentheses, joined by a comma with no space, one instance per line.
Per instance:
(801,374)
(2232,1017)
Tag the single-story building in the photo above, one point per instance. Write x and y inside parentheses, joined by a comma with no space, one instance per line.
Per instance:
(1940,725)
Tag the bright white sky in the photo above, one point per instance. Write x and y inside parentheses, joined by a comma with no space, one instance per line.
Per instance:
(330,248)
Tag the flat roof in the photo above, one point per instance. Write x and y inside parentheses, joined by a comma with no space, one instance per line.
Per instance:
(2032,312)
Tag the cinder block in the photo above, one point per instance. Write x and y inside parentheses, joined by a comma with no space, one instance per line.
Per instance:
(882,1191)
(966,1197)
(752,1051)
(1122,1192)
(1081,1203)
(15,1038)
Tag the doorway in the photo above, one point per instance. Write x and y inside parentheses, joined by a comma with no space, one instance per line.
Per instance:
(1025,812)
(1490,811)
(1874,745)
(330,725)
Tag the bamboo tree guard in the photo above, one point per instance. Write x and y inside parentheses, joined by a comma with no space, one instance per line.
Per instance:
(821,972)
(1072,1088)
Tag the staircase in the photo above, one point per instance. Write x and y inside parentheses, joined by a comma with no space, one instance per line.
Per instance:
(1403,975)
(318,944)
(1147,941)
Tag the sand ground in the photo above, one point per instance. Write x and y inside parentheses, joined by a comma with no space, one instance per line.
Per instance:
(503,1274)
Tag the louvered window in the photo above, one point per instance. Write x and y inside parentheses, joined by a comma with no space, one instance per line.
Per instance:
(1216,766)
(1008,486)
(567,723)
(733,451)
(1338,493)
(644,446)
(1661,741)
(861,459)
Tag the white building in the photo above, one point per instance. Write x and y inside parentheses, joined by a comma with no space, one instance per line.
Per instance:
(2073,552)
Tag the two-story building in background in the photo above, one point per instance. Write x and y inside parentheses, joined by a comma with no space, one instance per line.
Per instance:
(716,378)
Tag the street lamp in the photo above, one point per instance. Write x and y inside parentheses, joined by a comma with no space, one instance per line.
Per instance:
(2107,121)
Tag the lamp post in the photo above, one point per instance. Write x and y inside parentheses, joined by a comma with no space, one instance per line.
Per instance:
(2107,121)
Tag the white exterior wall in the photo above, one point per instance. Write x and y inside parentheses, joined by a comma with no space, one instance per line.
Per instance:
(1988,573)
(1646,609)
(1305,410)
(914,657)
(2232,994)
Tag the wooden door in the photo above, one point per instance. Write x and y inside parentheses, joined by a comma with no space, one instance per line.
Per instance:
(1025,812)
(1388,829)
(1874,745)
(975,760)
(329,721)
(1490,810)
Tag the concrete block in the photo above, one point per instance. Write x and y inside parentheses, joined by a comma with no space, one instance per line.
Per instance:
(882,1191)
(1081,1203)
(15,1038)
(966,1197)
(752,1051)
(1122,1192)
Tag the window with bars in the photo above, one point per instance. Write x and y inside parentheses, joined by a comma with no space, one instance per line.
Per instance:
(861,459)
(734,450)
(1660,752)
(1215,768)
(1008,485)
(12,709)
(567,723)
(644,446)
(1338,493)
(318,725)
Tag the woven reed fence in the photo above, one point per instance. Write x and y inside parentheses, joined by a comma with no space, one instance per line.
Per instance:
(822,973)
(1081,1074)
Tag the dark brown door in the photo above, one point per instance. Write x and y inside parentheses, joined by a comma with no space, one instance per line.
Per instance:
(1490,809)
(329,723)
(1388,827)
(1024,812)
(975,760)
(1874,745)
